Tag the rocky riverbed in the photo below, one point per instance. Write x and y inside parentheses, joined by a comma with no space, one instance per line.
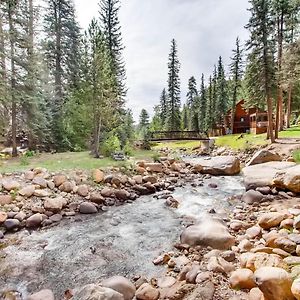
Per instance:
(229,244)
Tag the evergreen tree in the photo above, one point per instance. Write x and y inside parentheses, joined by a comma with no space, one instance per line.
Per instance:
(163,107)
(209,119)
(193,105)
(62,53)
(202,105)
(236,72)
(214,111)
(156,123)
(144,119)
(110,25)
(260,59)
(185,118)
(192,92)
(222,96)
(173,115)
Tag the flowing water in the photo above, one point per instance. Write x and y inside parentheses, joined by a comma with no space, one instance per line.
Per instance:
(121,241)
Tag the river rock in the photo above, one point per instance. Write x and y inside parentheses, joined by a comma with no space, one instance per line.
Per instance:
(296,288)
(107,192)
(20,216)
(285,244)
(83,190)
(54,204)
(56,218)
(5,199)
(98,176)
(59,180)
(42,193)
(263,156)
(149,178)
(122,194)
(154,167)
(275,283)
(289,179)
(42,295)
(10,185)
(262,175)
(34,221)
(271,219)
(147,292)
(242,279)
(138,179)
(87,208)
(38,180)
(122,285)
(97,292)
(252,196)
(29,175)
(219,265)
(67,187)
(27,191)
(218,165)
(3,216)
(11,224)
(208,233)
(96,198)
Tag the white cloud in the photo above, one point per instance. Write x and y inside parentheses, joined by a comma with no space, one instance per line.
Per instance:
(203,29)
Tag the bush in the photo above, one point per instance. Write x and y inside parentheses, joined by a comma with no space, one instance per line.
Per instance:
(128,150)
(110,145)
(156,157)
(296,156)
(24,161)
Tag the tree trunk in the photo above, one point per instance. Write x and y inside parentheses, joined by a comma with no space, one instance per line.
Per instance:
(270,120)
(13,80)
(289,105)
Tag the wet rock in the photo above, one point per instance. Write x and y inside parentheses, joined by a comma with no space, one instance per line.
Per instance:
(56,218)
(147,292)
(11,224)
(5,199)
(59,180)
(27,191)
(54,204)
(296,288)
(34,221)
(42,295)
(3,216)
(98,176)
(122,194)
(1,235)
(252,196)
(83,190)
(87,208)
(97,292)
(96,198)
(275,283)
(272,219)
(208,233)
(213,185)
(122,285)
(263,156)
(38,180)
(242,279)
(10,185)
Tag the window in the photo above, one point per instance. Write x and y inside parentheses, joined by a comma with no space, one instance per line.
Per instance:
(242,120)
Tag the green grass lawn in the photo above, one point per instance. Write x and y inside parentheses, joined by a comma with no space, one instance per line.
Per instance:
(67,161)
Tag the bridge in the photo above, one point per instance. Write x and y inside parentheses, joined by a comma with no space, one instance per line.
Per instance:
(156,136)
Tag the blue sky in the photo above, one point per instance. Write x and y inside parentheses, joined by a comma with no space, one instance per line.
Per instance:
(203,30)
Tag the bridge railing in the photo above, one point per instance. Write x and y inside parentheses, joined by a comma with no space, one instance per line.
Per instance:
(178,135)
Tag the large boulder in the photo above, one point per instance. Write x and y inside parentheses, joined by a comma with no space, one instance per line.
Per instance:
(208,233)
(263,156)
(262,175)
(218,165)
(122,285)
(288,180)
(97,292)
(275,283)
(42,295)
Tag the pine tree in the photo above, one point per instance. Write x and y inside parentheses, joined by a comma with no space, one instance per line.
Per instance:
(193,105)
(214,99)
(163,107)
(173,116)
(222,96)
(209,119)
(185,117)
(110,25)
(236,72)
(261,60)
(192,92)
(62,54)
(202,104)
(144,119)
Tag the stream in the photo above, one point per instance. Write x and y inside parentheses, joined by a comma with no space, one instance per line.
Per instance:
(121,241)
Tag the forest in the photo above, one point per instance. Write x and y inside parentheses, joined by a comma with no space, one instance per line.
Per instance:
(64,89)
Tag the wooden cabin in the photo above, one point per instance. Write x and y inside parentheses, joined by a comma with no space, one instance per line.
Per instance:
(246,120)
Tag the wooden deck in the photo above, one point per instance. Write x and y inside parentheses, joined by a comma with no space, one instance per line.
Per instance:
(178,135)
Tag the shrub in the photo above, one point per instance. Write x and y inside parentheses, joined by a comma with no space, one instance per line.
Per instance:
(296,156)
(110,145)
(128,150)
(24,161)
